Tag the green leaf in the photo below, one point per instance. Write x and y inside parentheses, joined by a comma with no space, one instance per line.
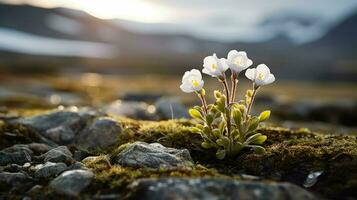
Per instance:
(240,107)
(216,133)
(209,119)
(260,140)
(221,154)
(199,108)
(253,124)
(257,149)
(199,126)
(217,94)
(222,126)
(206,145)
(264,115)
(235,133)
(223,141)
(195,130)
(256,139)
(221,103)
(237,116)
(195,114)
(206,130)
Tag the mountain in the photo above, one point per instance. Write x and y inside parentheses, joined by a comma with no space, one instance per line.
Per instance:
(65,39)
(341,36)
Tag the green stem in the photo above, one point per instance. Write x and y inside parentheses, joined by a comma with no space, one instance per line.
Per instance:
(234,81)
(255,90)
(228,114)
(203,101)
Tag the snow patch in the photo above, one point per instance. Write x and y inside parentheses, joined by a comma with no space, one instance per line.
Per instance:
(64,24)
(21,42)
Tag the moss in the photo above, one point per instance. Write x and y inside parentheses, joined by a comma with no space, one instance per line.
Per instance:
(290,154)
(15,134)
(292,160)
(116,178)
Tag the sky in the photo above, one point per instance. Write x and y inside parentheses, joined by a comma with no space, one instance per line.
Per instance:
(176,11)
(223,19)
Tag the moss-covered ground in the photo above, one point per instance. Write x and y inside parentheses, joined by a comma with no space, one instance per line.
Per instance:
(290,156)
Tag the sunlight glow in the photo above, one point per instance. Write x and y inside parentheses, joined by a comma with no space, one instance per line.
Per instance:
(136,10)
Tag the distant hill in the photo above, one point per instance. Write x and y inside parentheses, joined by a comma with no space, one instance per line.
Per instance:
(65,39)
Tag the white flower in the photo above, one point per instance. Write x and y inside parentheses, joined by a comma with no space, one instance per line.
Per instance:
(192,81)
(260,75)
(214,66)
(238,61)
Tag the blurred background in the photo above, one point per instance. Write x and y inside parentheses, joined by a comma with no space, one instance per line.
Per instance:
(71,52)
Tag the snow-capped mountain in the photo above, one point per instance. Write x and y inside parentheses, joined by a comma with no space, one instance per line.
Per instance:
(291,42)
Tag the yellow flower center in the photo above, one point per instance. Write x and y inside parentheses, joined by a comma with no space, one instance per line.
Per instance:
(195,83)
(214,67)
(239,61)
(260,76)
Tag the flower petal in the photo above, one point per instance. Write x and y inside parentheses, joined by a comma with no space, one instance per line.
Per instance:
(242,53)
(196,72)
(250,74)
(232,54)
(269,79)
(205,71)
(186,88)
(262,68)
(249,62)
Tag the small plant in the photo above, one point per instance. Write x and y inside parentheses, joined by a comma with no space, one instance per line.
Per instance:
(227,125)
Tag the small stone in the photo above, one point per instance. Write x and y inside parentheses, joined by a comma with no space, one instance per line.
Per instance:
(154,155)
(102,133)
(58,154)
(17,154)
(49,169)
(72,182)
(12,180)
(80,154)
(27,165)
(170,108)
(77,165)
(34,190)
(39,147)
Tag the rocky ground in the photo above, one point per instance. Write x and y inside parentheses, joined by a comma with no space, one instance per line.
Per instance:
(55,144)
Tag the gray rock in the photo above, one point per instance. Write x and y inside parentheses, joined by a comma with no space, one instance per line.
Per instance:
(60,127)
(39,147)
(169,108)
(102,133)
(49,169)
(35,190)
(132,109)
(77,165)
(58,154)
(154,155)
(216,189)
(17,154)
(72,182)
(13,180)
(61,134)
